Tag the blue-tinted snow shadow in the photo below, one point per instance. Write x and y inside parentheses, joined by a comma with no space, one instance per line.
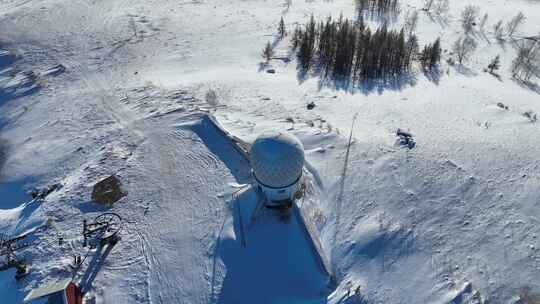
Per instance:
(95,265)
(534,87)
(4,150)
(24,88)
(90,206)
(15,83)
(368,86)
(14,193)
(465,71)
(9,288)
(221,146)
(277,263)
(19,219)
(6,58)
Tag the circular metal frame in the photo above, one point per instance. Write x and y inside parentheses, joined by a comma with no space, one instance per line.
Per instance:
(111,223)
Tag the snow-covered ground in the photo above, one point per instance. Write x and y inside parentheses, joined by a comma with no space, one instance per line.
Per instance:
(453,220)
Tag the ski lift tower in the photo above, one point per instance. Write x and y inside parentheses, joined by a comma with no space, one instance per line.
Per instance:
(8,247)
(103,230)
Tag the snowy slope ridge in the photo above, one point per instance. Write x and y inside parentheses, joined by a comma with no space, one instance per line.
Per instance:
(93,88)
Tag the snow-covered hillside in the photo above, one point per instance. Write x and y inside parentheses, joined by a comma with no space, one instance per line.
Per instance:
(93,88)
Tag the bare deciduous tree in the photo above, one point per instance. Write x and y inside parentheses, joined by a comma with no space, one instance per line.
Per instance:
(483,22)
(527,63)
(411,21)
(463,48)
(441,7)
(288,3)
(211,97)
(468,17)
(428,4)
(514,24)
(498,30)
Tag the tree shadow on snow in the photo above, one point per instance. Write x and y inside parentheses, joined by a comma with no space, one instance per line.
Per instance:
(90,206)
(15,193)
(15,83)
(17,90)
(465,71)
(433,75)
(263,66)
(301,74)
(370,86)
(529,85)
(441,20)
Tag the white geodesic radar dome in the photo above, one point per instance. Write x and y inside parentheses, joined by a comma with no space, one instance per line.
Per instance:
(277,159)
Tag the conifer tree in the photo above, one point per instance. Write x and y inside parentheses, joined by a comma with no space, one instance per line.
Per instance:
(282,31)
(435,55)
(296,38)
(268,52)
(344,49)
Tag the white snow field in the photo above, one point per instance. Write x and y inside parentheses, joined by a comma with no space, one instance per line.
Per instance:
(90,88)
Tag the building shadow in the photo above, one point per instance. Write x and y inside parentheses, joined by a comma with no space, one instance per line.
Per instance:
(274,265)
(222,146)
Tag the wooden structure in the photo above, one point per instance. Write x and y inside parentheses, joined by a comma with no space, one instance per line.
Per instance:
(60,292)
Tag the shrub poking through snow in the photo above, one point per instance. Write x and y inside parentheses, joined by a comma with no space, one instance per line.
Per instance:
(495,64)
(531,116)
(42,193)
(211,97)
(405,139)
(502,106)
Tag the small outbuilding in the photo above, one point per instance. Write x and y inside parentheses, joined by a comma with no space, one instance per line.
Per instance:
(60,292)
(277,161)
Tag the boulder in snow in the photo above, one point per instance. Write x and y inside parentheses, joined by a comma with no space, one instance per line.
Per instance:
(108,190)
